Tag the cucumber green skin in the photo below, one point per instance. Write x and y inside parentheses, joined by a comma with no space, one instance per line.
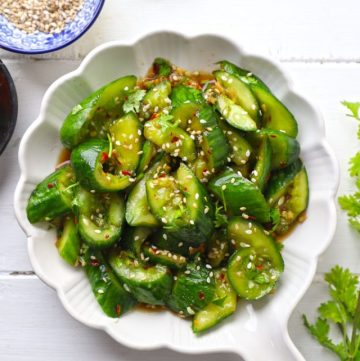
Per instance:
(184,94)
(275,114)
(244,75)
(261,172)
(149,152)
(217,248)
(240,148)
(113,213)
(138,211)
(214,313)
(240,193)
(102,106)
(256,244)
(164,257)
(86,161)
(192,290)
(234,114)
(133,239)
(214,145)
(69,243)
(285,149)
(50,199)
(150,284)
(297,203)
(280,181)
(161,67)
(239,92)
(180,228)
(170,243)
(101,277)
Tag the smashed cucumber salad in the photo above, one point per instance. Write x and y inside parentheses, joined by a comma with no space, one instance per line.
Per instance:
(178,187)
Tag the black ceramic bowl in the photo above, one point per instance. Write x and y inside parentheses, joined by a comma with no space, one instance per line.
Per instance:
(8,106)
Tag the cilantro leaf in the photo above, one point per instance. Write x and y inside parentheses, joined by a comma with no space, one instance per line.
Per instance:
(354,169)
(351,203)
(220,216)
(353,107)
(342,310)
(132,104)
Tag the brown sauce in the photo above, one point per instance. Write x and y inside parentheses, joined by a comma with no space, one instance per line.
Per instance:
(149,308)
(64,156)
(300,219)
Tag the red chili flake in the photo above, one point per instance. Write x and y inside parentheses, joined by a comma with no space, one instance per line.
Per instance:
(222,276)
(174,139)
(259,267)
(50,185)
(162,175)
(126,172)
(75,220)
(156,68)
(126,97)
(252,218)
(273,136)
(94,263)
(106,236)
(104,157)
(201,295)
(154,116)
(118,309)
(205,171)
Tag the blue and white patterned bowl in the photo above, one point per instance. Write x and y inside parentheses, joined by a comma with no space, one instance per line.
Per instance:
(18,41)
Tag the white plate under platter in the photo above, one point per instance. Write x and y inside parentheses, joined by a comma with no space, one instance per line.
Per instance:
(258,330)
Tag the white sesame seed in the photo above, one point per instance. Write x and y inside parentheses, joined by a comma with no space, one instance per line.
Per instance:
(97,231)
(190,311)
(248,231)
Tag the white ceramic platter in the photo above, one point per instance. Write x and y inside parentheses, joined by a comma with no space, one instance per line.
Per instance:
(258,330)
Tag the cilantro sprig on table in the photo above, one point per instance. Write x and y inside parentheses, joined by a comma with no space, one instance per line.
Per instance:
(351,203)
(343,311)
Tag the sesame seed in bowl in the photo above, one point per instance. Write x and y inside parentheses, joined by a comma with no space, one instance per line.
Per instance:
(41,26)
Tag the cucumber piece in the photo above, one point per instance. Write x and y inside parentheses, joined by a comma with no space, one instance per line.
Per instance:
(157,100)
(261,172)
(133,239)
(100,217)
(238,195)
(182,205)
(148,154)
(185,94)
(164,257)
(69,243)
(240,148)
(161,67)
(217,248)
(149,284)
(91,118)
(193,290)
(275,114)
(295,202)
(280,181)
(222,306)
(201,121)
(234,114)
(108,291)
(170,138)
(95,170)
(239,92)
(126,136)
(52,197)
(244,75)
(256,266)
(284,149)
(138,211)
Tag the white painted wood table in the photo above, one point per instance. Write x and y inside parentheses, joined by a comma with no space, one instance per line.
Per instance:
(318,41)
